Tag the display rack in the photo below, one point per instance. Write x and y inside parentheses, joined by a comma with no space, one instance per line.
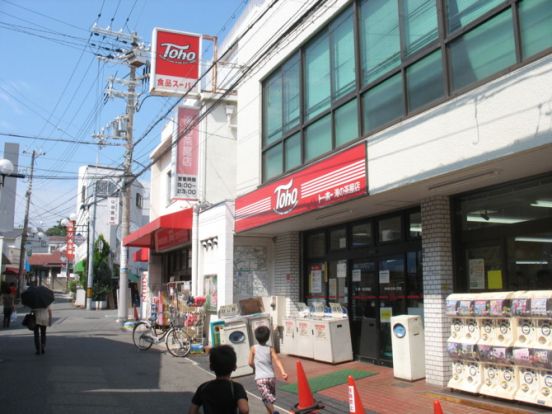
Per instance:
(509,356)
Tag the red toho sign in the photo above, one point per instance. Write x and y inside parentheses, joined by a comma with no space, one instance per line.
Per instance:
(175,62)
(330,181)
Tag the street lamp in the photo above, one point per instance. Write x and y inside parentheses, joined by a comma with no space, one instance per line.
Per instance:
(6,168)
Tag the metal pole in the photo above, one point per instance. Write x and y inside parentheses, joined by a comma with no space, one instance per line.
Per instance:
(122,311)
(91,238)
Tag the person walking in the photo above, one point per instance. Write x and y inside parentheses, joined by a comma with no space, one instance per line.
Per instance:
(262,358)
(43,318)
(221,395)
(8,301)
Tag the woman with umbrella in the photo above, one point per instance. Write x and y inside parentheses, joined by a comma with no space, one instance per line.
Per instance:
(39,298)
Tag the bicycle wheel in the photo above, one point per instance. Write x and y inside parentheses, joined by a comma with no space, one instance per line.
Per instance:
(143,336)
(178,342)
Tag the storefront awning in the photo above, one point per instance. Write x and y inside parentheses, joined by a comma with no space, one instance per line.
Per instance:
(79,266)
(162,232)
(11,270)
(141,255)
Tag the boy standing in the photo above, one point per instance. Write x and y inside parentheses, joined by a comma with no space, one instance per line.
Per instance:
(221,395)
(262,357)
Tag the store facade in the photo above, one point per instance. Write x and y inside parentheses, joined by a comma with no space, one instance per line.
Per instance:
(447,100)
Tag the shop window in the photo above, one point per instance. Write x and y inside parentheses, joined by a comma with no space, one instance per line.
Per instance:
(343,52)
(380,38)
(318,138)
(462,12)
(316,245)
(293,151)
(483,51)
(346,123)
(317,76)
(272,162)
(415,225)
(361,235)
(291,89)
(419,19)
(338,239)
(272,109)
(424,80)
(383,103)
(535,20)
(484,268)
(390,229)
(530,264)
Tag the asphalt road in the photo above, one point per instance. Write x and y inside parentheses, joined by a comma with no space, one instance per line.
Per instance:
(91,366)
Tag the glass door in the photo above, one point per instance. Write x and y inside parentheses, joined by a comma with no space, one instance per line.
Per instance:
(363,310)
(392,299)
(337,286)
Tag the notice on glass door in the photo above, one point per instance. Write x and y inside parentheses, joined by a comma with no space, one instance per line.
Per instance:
(316,281)
(357,273)
(342,269)
(476,268)
(384,276)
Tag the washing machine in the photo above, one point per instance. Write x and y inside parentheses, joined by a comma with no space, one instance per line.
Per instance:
(259,319)
(236,333)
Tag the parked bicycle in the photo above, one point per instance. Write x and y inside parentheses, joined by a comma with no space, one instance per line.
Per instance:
(147,333)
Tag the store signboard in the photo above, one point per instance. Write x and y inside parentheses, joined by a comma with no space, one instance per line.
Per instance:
(175,59)
(113,206)
(186,137)
(70,240)
(331,181)
(166,239)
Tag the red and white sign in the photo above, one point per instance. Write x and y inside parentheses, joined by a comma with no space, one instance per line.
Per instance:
(70,240)
(330,181)
(174,62)
(187,153)
(166,239)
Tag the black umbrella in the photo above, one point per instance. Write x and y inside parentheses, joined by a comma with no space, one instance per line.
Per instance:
(37,297)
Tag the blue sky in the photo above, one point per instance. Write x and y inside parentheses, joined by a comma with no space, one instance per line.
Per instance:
(52,84)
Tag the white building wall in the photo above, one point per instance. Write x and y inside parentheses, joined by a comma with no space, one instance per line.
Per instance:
(287,269)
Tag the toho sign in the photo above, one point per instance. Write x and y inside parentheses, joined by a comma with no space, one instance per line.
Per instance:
(175,61)
(327,182)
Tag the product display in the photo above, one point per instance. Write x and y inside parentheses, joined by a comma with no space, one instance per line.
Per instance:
(509,355)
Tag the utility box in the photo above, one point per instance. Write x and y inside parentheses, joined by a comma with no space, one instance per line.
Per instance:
(407,339)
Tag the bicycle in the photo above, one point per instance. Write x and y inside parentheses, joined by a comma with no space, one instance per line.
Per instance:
(147,333)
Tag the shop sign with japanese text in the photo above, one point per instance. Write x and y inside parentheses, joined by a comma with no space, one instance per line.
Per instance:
(70,240)
(187,152)
(327,182)
(175,62)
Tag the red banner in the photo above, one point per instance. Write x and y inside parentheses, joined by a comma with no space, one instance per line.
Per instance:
(187,153)
(175,61)
(327,182)
(70,240)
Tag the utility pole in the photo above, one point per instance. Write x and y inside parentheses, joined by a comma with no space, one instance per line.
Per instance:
(123,129)
(91,238)
(26,219)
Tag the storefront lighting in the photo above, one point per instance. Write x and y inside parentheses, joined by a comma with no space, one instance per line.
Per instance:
(531,262)
(534,239)
(416,228)
(542,203)
(500,220)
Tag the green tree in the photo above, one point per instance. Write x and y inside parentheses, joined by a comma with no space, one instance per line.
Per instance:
(57,230)
(102,269)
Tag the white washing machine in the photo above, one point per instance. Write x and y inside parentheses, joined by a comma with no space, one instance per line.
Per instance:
(256,320)
(236,333)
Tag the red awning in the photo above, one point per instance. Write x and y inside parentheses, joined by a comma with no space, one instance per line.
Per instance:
(141,255)
(11,270)
(144,236)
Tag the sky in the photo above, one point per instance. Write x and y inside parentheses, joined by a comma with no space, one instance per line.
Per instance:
(52,86)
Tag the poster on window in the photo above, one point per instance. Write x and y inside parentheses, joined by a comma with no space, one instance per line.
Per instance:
(316,281)
(210,292)
(476,271)
(342,269)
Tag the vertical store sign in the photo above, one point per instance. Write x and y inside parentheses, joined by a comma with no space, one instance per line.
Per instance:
(113,205)
(175,62)
(70,240)
(187,152)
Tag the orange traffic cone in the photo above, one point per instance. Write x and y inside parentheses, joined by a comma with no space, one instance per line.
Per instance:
(355,404)
(306,403)
(437,407)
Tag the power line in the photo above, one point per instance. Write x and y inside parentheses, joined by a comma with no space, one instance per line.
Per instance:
(74,141)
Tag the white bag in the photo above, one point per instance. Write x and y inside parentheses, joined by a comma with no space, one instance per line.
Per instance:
(13,317)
